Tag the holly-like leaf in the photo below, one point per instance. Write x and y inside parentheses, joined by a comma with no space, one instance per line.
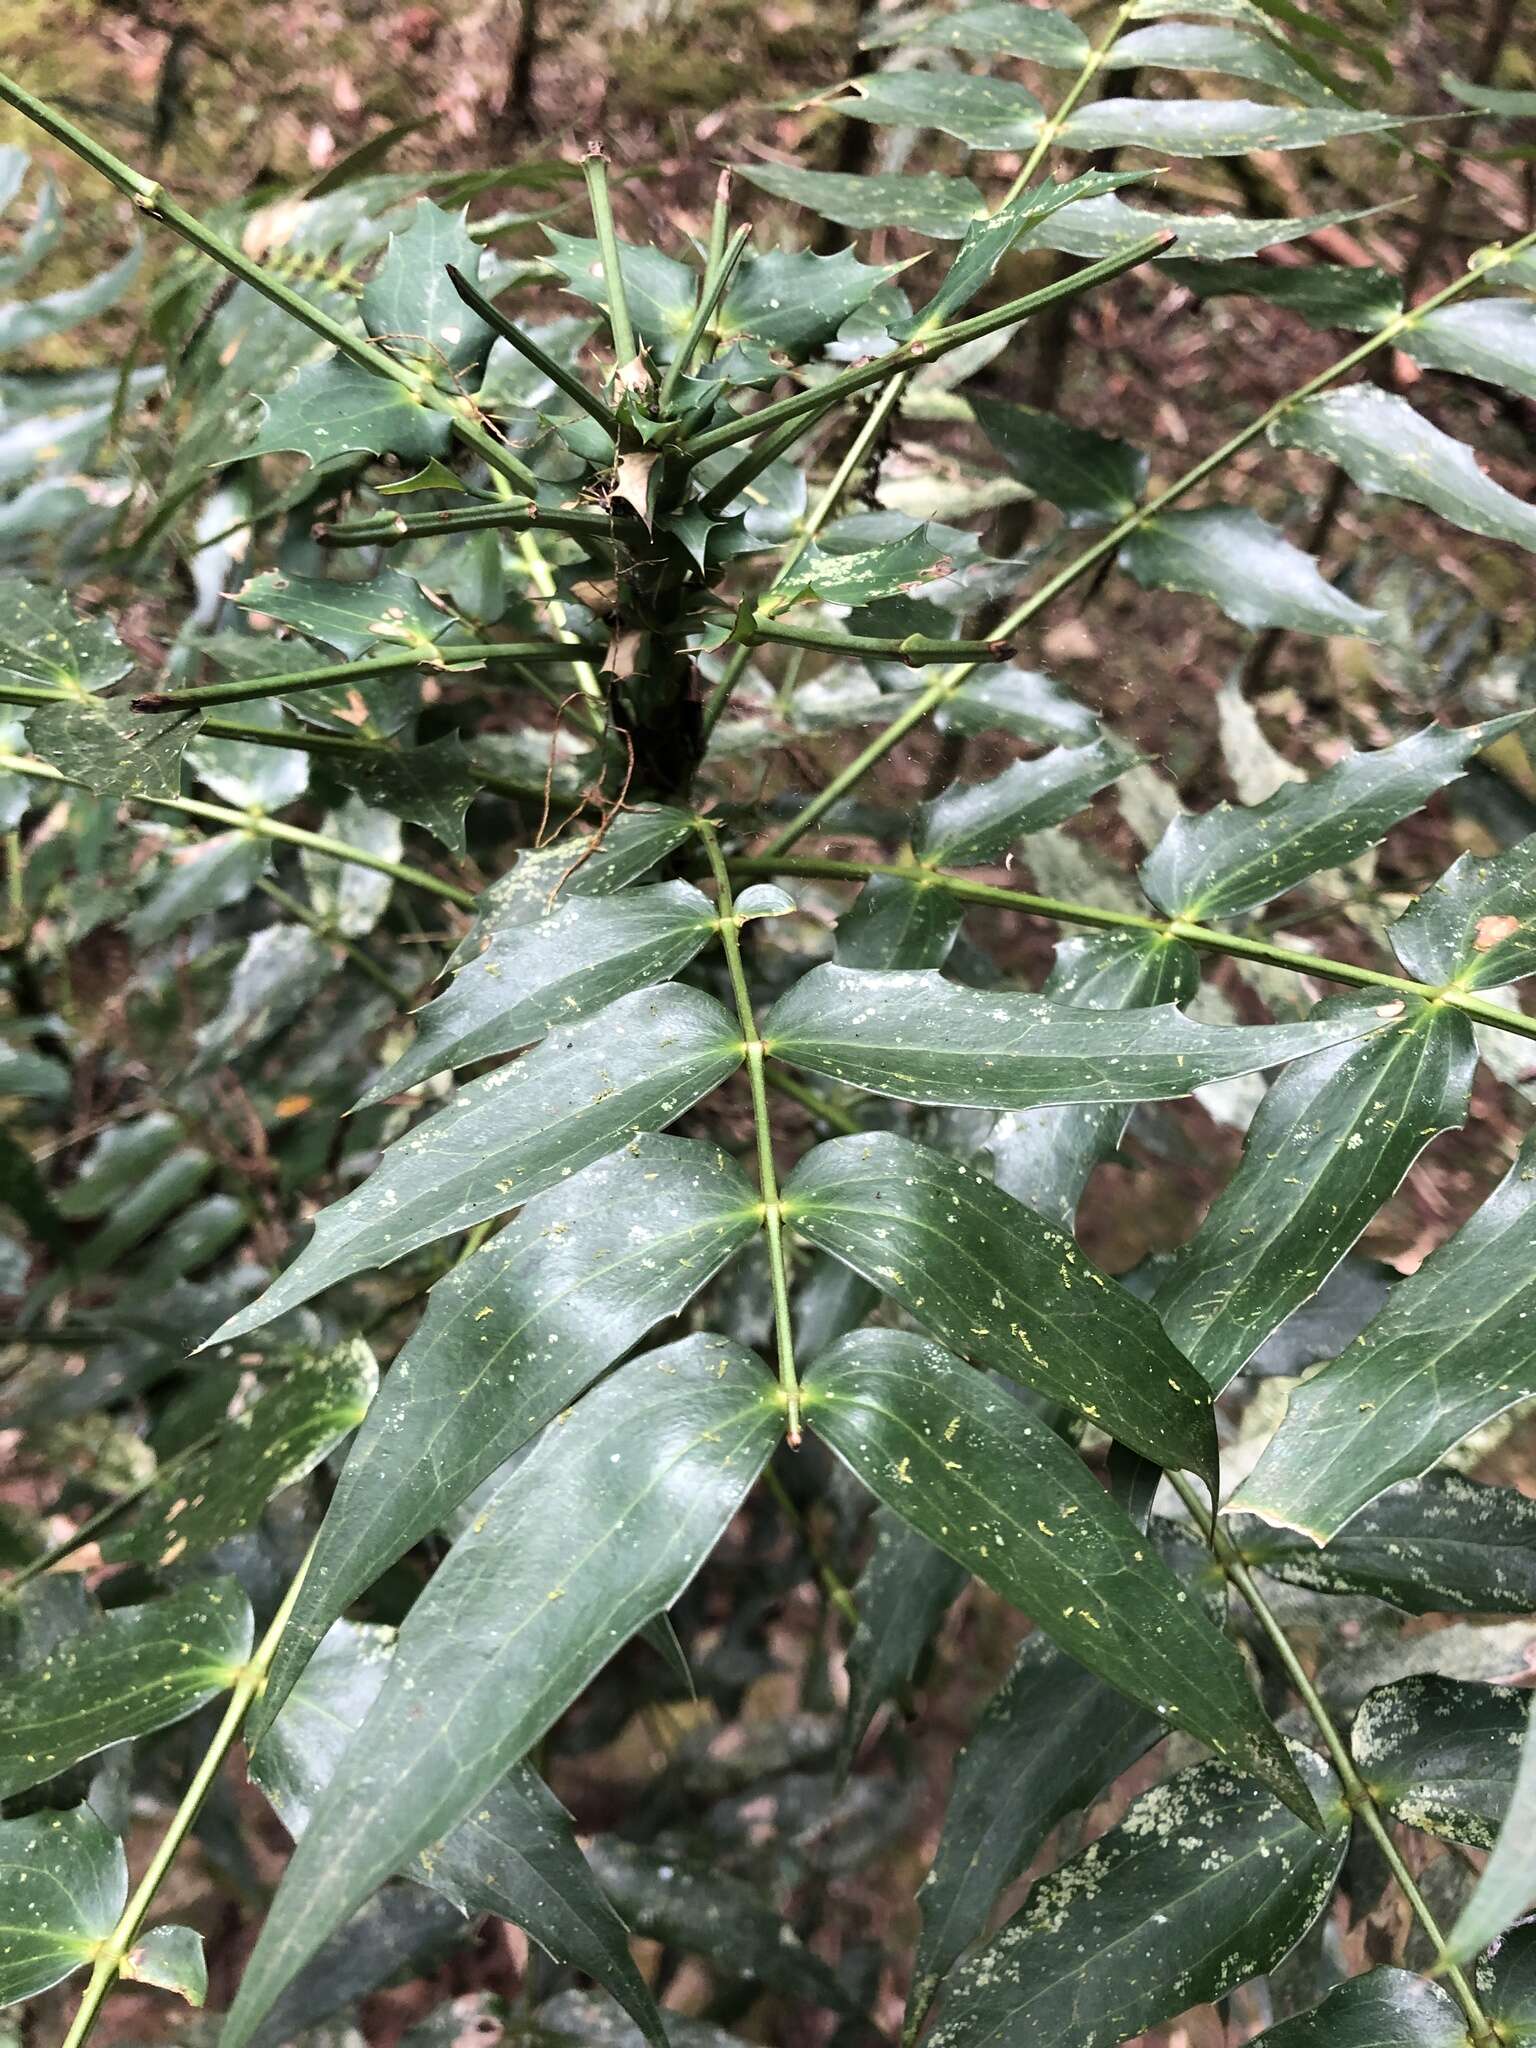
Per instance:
(268,1441)
(924,1039)
(1476,926)
(1212,127)
(388,609)
(511,1337)
(1020,702)
(1043,1156)
(1206,1882)
(1049,1740)
(970,1468)
(589,1088)
(111,748)
(1090,479)
(1235,857)
(588,951)
(1383,2009)
(794,300)
(1229,554)
(1438,1544)
(661,293)
(42,640)
(859,578)
(516,1854)
(902,1595)
(63,1884)
(985,113)
(1384,446)
(896,923)
(973,823)
(601,1528)
(133,1670)
(409,305)
(1455,1346)
(996,28)
(336,407)
(998,1284)
(924,202)
(431,786)
(1329,1145)
(1494,339)
(1442,1755)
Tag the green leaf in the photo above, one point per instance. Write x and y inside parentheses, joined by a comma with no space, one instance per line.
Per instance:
(201,878)
(1000,28)
(36,241)
(1091,480)
(1441,1755)
(63,1884)
(602,1527)
(1488,99)
(409,304)
(516,1854)
(591,864)
(896,923)
(1212,127)
(588,951)
(1207,46)
(661,293)
(923,1039)
(1324,294)
(1236,857)
(924,203)
(1434,1545)
(794,300)
(974,823)
(968,1467)
(898,566)
(1229,554)
(1107,227)
(1507,1982)
(1476,926)
(1205,1883)
(1020,702)
(336,407)
(1384,446)
(1383,2009)
(1507,1885)
(350,898)
(1043,1155)
(1494,339)
(512,1336)
(389,609)
(991,1279)
(902,1595)
(1330,1144)
(266,1442)
(986,113)
(246,773)
(988,240)
(43,641)
(25,322)
(431,786)
(113,749)
(170,1958)
(699,1908)
(1454,1347)
(1049,1740)
(280,971)
(589,1088)
(134,1669)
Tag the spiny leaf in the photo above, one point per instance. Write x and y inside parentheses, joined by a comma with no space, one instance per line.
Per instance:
(387,609)
(1229,554)
(43,641)
(924,1039)
(997,1283)
(1090,479)
(861,576)
(431,786)
(1330,1144)
(1476,926)
(1206,1882)
(63,1883)
(512,1336)
(589,1088)
(132,1671)
(1020,702)
(588,951)
(410,305)
(111,748)
(661,293)
(336,407)
(1234,858)
(1442,1755)
(795,300)
(1384,446)
(265,1443)
(1455,1346)
(602,1527)
(1049,1740)
(973,823)
(965,1463)
(923,202)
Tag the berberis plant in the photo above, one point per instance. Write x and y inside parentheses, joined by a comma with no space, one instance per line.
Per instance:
(602,588)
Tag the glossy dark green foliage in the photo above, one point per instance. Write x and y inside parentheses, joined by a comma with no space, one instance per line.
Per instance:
(1442,1755)
(1385,2008)
(902,1595)
(63,1881)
